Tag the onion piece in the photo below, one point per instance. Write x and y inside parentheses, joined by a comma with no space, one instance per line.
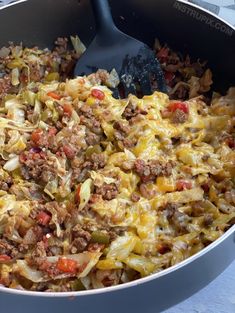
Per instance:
(15,76)
(12,164)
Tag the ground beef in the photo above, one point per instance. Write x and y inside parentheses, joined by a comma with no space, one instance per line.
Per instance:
(74,140)
(5,86)
(67,58)
(157,168)
(86,111)
(80,238)
(33,235)
(101,76)
(120,134)
(107,191)
(129,143)
(167,168)
(58,209)
(169,209)
(146,192)
(81,168)
(94,132)
(61,45)
(142,169)
(148,171)
(208,219)
(88,119)
(95,247)
(78,245)
(131,111)
(79,172)
(91,138)
(45,140)
(79,232)
(122,127)
(179,117)
(35,166)
(80,175)
(6,184)
(67,67)
(54,250)
(7,248)
(35,71)
(39,251)
(45,266)
(97,161)
(69,150)
(179,220)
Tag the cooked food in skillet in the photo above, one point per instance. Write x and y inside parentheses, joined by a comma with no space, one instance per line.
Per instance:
(97,191)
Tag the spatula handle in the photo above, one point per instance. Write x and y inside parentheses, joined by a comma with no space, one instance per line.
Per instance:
(103,17)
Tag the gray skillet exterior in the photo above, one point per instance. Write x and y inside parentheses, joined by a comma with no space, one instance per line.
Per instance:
(39,22)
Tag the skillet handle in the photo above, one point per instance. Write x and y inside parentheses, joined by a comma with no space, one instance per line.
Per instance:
(103,17)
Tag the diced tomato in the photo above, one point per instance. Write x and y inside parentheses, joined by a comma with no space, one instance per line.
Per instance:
(4,258)
(183,184)
(169,76)
(67,265)
(68,109)
(163,248)
(52,131)
(69,151)
(163,54)
(24,78)
(54,95)
(36,135)
(43,218)
(77,195)
(205,187)
(178,106)
(231,142)
(99,94)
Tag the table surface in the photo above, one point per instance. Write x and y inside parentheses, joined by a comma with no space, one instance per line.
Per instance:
(219,295)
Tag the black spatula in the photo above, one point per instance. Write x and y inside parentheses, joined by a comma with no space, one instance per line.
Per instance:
(133,60)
